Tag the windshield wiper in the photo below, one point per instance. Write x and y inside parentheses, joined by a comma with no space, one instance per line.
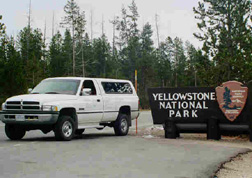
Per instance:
(51,92)
(35,93)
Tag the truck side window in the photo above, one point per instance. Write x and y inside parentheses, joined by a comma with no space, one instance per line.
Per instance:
(117,88)
(89,84)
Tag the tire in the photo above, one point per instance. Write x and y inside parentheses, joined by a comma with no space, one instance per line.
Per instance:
(79,131)
(121,125)
(64,129)
(14,132)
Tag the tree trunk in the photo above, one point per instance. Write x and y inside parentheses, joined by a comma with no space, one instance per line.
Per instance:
(73,50)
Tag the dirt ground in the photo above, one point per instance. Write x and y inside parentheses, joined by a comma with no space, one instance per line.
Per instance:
(238,167)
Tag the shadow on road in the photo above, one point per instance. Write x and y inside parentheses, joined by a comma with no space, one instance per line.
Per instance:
(79,137)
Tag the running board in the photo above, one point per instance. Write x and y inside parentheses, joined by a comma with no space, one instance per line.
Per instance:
(91,127)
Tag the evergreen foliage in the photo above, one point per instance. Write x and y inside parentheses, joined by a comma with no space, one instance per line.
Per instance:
(74,20)
(226,34)
(2,27)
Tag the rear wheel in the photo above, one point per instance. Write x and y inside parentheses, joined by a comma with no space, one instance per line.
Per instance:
(64,129)
(14,132)
(121,126)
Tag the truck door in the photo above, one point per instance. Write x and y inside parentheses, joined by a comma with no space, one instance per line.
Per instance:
(90,106)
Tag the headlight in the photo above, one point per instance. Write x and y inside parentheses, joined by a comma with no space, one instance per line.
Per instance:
(49,108)
(3,106)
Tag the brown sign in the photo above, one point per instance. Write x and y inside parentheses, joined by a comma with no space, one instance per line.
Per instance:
(231,97)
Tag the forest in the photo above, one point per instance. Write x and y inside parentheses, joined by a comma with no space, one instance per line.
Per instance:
(226,53)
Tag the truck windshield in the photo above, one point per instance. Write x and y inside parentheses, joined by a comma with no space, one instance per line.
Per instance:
(57,86)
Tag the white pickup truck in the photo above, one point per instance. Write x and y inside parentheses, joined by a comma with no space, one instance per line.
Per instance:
(69,105)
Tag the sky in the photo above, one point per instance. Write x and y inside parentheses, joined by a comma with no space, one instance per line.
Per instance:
(175,17)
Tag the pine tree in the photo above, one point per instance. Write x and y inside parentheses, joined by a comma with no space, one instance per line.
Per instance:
(129,45)
(2,27)
(88,56)
(102,52)
(179,63)
(11,72)
(163,65)
(226,35)
(55,56)
(75,20)
(67,53)
(191,62)
(145,64)
(31,54)
(204,70)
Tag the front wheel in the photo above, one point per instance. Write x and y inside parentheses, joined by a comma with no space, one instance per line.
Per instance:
(64,129)
(121,126)
(14,132)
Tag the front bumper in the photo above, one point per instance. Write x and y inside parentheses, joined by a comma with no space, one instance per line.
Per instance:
(28,117)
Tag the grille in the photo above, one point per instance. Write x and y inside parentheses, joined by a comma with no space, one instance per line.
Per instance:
(22,105)
(31,102)
(30,107)
(13,107)
(14,102)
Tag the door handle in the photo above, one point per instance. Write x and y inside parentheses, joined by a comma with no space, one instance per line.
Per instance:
(98,100)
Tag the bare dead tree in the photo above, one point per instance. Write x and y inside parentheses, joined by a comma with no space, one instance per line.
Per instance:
(156,22)
(53,24)
(102,24)
(114,23)
(29,30)
(91,24)
(44,41)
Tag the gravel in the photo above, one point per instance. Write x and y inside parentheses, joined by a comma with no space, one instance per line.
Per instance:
(238,167)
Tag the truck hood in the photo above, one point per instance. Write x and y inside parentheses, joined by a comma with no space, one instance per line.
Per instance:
(42,98)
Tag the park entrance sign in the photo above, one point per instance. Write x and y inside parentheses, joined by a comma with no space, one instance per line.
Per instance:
(181,103)
(215,111)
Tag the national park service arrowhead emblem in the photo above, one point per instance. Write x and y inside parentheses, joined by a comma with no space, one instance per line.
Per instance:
(231,97)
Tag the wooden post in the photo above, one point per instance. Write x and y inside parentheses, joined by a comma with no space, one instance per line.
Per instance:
(213,129)
(170,129)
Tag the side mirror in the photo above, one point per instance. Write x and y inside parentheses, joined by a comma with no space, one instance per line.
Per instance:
(86,92)
(29,90)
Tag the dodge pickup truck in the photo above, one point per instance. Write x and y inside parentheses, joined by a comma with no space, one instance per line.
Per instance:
(69,105)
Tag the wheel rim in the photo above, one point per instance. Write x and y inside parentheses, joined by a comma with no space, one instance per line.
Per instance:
(124,125)
(67,129)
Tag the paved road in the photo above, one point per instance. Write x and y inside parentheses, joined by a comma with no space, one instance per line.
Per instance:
(101,154)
